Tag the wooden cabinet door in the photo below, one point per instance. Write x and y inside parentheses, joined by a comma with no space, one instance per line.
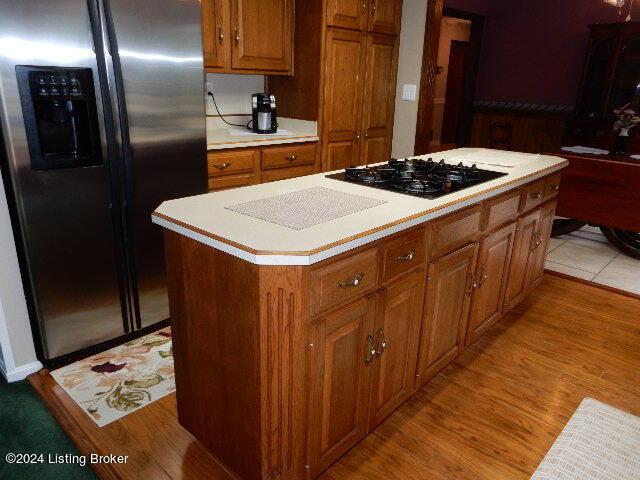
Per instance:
(540,244)
(520,266)
(379,99)
(446,308)
(490,281)
(343,90)
(397,333)
(385,16)
(350,14)
(340,373)
(216,33)
(262,35)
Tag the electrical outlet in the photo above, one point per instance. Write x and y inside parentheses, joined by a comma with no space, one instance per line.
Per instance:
(409,92)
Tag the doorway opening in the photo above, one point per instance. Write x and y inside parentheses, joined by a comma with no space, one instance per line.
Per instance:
(448,81)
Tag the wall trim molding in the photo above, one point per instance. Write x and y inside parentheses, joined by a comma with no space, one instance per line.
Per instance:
(524,107)
(20,373)
(5,344)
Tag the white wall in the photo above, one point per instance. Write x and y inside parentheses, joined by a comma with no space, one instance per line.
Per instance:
(414,15)
(233,92)
(16,341)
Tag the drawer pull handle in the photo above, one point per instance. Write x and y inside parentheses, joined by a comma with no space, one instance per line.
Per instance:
(538,240)
(406,258)
(554,188)
(383,342)
(371,351)
(537,195)
(354,282)
(291,158)
(220,35)
(237,35)
(222,166)
(364,6)
(472,284)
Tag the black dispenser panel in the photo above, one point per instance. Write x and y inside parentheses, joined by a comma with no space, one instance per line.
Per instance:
(60,116)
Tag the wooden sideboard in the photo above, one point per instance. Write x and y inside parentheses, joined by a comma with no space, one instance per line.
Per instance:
(281,369)
(239,167)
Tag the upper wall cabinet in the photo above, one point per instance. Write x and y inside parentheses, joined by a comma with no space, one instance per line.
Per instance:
(247,36)
(380,16)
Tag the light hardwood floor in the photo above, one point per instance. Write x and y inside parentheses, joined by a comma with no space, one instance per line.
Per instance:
(492,414)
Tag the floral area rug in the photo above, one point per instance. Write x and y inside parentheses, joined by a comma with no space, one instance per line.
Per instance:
(112,384)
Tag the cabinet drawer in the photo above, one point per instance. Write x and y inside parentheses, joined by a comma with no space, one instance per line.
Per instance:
(402,254)
(533,195)
(232,181)
(551,186)
(454,231)
(278,157)
(232,161)
(343,279)
(498,211)
(290,172)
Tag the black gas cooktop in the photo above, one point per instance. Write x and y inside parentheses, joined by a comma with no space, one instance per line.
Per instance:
(421,178)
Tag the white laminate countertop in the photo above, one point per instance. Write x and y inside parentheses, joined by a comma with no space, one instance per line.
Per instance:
(205,218)
(219,136)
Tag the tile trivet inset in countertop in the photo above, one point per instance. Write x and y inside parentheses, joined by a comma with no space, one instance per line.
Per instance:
(305,208)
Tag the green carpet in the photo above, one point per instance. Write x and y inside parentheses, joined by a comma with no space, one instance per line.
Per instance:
(27,427)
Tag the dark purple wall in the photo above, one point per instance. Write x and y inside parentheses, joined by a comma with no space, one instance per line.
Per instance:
(534,51)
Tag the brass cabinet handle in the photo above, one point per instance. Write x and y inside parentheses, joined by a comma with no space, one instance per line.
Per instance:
(373,5)
(483,277)
(291,158)
(383,342)
(220,34)
(364,6)
(222,166)
(472,283)
(357,135)
(366,133)
(537,240)
(236,33)
(406,258)
(537,195)
(371,351)
(554,188)
(354,282)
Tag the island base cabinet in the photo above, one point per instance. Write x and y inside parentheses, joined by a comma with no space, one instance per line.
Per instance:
(342,352)
(490,281)
(447,299)
(540,245)
(397,332)
(521,260)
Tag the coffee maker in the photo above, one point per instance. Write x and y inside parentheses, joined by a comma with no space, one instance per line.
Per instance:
(264,113)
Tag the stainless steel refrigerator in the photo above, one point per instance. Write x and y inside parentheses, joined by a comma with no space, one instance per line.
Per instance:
(102,118)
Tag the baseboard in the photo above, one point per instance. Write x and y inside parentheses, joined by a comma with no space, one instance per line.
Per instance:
(21,372)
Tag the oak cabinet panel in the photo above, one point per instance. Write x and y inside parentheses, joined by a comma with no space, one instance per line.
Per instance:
(232,161)
(402,254)
(350,14)
(345,62)
(288,155)
(455,230)
(339,376)
(232,181)
(340,155)
(287,172)
(533,195)
(490,281)
(446,309)
(526,234)
(385,16)
(261,34)
(379,92)
(216,33)
(540,244)
(500,210)
(396,338)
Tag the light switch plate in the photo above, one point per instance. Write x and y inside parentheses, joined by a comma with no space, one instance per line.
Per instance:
(409,92)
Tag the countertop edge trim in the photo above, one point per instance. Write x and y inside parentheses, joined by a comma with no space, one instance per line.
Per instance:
(259,257)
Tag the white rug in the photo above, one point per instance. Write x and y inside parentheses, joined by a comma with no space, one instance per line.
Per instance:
(112,384)
(600,442)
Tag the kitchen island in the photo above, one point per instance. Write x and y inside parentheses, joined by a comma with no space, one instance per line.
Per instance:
(291,343)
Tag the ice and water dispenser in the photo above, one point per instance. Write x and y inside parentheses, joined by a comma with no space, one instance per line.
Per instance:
(60,115)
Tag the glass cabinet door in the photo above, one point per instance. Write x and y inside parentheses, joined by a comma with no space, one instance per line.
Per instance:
(626,75)
(594,89)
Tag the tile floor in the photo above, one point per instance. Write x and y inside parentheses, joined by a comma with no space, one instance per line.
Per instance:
(587,254)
